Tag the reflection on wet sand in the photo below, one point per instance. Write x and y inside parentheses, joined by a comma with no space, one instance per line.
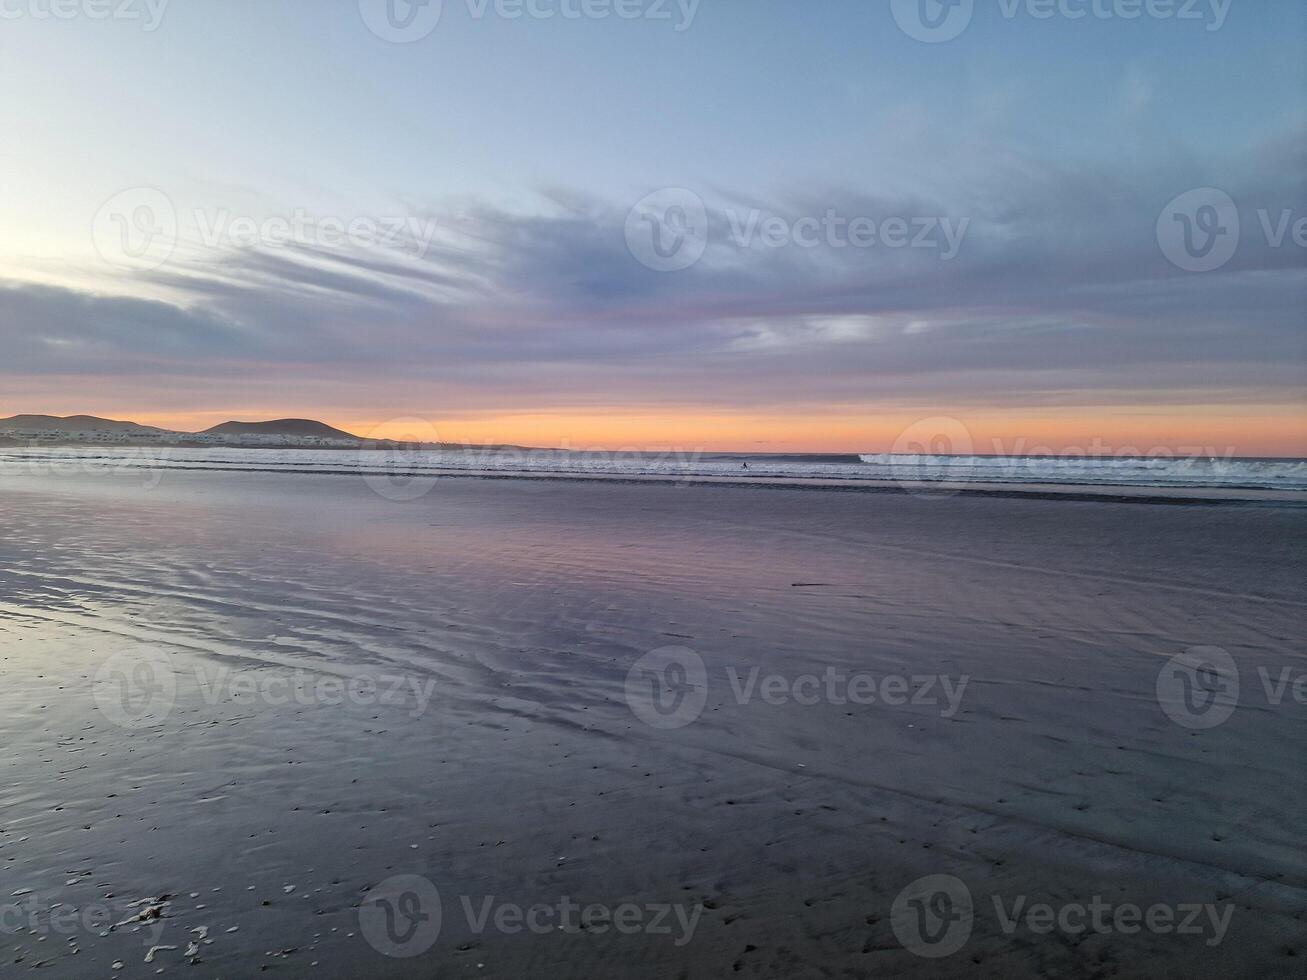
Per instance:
(356,689)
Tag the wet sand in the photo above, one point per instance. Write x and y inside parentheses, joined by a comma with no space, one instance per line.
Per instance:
(507,759)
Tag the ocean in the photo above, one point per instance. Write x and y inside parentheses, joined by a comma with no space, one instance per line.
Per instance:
(402,464)
(249,708)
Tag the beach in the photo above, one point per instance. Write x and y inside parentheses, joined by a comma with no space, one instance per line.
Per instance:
(283,722)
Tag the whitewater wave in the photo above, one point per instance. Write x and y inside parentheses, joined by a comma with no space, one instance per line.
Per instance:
(1160,471)
(1141,471)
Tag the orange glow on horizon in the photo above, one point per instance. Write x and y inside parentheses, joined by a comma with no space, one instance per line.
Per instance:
(1270,430)
(1192,430)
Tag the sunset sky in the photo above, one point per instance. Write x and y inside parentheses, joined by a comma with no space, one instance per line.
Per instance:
(359,228)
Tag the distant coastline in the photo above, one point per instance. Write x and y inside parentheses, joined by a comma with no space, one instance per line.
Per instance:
(89,430)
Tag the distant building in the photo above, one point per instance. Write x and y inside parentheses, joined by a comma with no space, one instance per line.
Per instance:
(129,437)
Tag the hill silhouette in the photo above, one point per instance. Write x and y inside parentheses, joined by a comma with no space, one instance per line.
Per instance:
(73,423)
(281,427)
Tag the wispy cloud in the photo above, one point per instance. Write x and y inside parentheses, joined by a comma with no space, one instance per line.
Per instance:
(1058,294)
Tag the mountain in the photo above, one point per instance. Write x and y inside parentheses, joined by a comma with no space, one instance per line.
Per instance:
(280,427)
(71,423)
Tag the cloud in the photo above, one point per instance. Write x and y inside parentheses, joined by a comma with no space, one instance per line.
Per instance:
(1058,294)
